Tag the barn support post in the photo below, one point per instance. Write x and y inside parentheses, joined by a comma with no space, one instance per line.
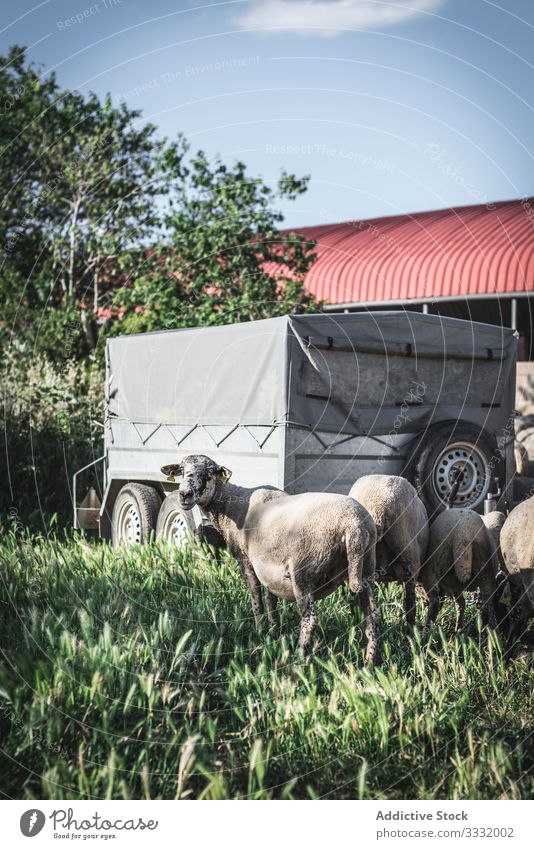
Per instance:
(513,313)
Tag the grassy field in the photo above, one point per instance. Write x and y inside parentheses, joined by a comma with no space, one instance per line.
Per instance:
(141,675)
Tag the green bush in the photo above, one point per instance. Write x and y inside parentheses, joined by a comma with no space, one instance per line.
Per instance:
(49,420)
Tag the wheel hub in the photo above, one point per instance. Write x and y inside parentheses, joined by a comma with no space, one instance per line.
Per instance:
(130,524)
(176,530)
(469,464)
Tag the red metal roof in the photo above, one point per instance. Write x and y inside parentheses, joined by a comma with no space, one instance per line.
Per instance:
(471,250)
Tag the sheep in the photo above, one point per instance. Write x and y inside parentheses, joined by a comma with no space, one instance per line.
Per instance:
(402,530)
(521,459)
(460,557)
(494,522)
(300,547)
(517,546)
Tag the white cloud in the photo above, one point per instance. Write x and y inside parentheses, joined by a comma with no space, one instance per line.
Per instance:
(330,17)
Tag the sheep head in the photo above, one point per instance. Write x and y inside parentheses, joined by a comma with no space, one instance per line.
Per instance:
(200,475)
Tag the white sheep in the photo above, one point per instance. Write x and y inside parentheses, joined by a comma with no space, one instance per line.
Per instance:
(300,547)
(494,522)
(517,546)
(521,459)
(460,557)
(402,530)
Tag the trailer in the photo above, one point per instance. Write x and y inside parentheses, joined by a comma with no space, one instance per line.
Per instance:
(304,403)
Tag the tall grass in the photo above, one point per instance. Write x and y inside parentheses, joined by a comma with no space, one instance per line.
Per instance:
(140,674)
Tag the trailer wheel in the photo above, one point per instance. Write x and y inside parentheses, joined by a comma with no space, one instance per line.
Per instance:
(135,514)
(174,525)
(446,450)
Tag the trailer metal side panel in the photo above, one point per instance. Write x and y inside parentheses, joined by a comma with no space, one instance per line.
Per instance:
(308,402)
(252,453)
(322,462)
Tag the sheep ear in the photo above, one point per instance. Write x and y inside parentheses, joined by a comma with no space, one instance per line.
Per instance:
(225,473)
(172,470)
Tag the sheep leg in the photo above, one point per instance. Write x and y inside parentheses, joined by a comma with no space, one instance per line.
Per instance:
(254,588)
(488,590)
(370,611)
(409,601)
(434,604)
(515,625)
(306,606)
(409,591)
(383,562)
(460,613)
(501,612)
(356,564)
(308,621)
(362,574)
(272,601)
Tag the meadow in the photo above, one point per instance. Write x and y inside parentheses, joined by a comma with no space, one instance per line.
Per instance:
(140,674)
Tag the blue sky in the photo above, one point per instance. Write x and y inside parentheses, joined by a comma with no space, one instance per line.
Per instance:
(391,107)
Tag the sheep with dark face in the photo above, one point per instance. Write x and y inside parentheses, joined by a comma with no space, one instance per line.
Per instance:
(460,557)
(517,546)
(402,530)
(300,547)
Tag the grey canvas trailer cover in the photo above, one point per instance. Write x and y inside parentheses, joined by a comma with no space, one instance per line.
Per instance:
(305,402)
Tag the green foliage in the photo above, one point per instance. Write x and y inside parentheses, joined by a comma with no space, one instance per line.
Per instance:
(79,184)
(139,674)
(101,222)
(49,430)
(222,235)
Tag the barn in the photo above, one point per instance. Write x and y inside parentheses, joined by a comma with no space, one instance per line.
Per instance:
(471,262)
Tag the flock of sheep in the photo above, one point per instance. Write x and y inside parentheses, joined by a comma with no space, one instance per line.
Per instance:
(302,547)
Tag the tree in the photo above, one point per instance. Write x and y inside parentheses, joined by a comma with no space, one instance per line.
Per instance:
(222,258)
(101,218)
(80,183)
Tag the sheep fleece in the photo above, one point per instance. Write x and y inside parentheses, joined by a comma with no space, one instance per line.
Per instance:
(401,522)
(517,546)
(307,530)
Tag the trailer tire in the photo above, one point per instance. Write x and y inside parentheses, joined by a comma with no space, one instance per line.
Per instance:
(135,513)
(175,525)
(440,451)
